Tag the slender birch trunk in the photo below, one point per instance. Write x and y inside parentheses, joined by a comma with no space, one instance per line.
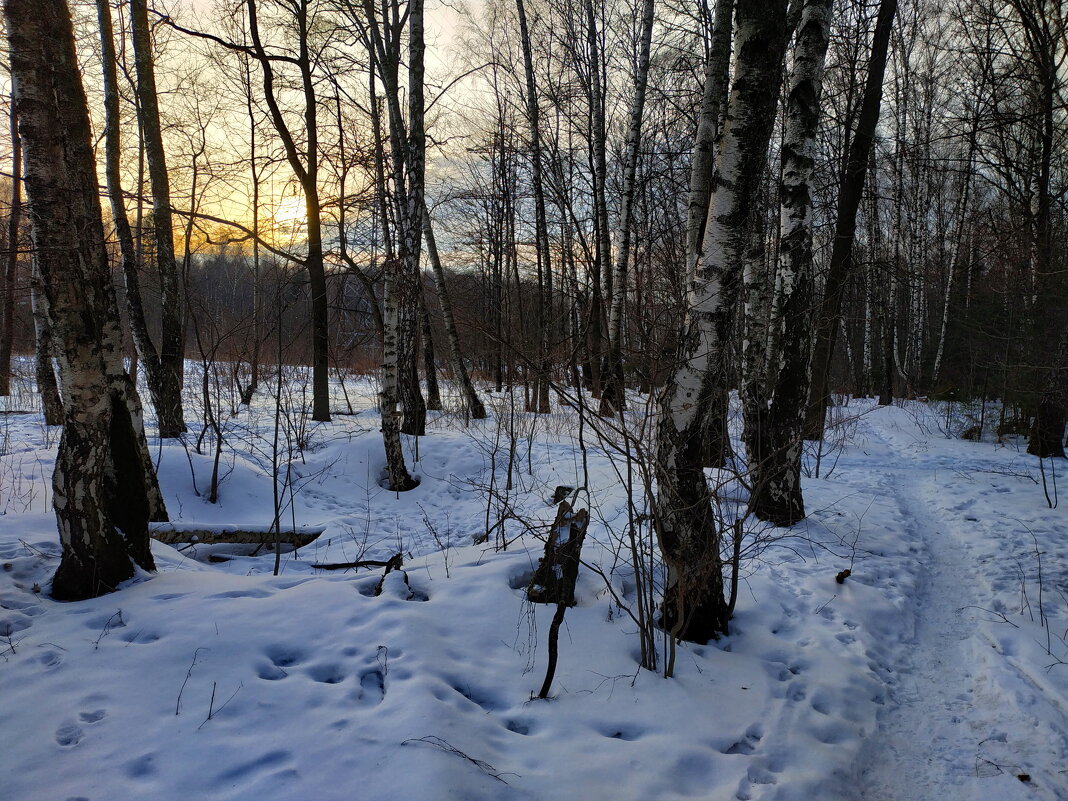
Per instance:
(305,167)
(775,447)
(714,435)
(613,397)
(714,100)
(602,276)
(7,286)
(472,402)
(146,350)
(541,230)
(411,236)
(105,490)
(430,365)
(689,535)
(172,336)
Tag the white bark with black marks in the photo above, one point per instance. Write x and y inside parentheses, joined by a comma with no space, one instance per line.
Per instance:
(105,490)
(687,530)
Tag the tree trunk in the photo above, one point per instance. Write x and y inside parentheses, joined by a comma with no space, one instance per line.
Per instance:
(541,229)
(459,370)
(849,195)
(430,366)
(689,535)
(172,333)
(51,402)
(775,445)
(715,438)
(7,287)
(123,233)
(306,170)
(105,490)
(601,276)
(613,397)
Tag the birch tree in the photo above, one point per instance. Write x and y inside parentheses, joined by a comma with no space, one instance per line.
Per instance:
(171,374)
(774,440)
(689,534)
(714,437)
(10,272)
(105,489)
(613,396)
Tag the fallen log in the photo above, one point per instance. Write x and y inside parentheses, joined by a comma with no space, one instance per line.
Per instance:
(213,533)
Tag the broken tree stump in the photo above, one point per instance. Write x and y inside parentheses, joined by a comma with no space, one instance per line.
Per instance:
(554,579)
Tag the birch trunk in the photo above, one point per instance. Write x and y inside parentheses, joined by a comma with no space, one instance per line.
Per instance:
(601,277)
(305,167)
(105,490)
(714,435)
(411,236)
(172,333)
(433,391)
(472,402)
(612,400)
(7,287)
(775,446)
(849,196)
(146,350)
(51,402)
(541,230)
(389,395)
(689,535)
(717,84)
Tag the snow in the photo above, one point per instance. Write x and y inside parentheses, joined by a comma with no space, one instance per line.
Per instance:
(927,673)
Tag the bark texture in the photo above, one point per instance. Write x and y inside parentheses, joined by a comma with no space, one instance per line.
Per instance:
(774,439)
(689,534)
(47,386)
(105,490)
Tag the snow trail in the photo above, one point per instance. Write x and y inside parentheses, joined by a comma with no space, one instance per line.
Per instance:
(947,731)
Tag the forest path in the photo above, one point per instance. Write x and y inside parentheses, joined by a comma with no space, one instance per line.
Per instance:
(942,733)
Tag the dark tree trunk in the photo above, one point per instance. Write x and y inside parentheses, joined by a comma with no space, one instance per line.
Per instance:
(172,333)
(849,196)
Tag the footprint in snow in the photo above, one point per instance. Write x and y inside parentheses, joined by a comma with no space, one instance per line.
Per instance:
(95,716)
(372,689)
(69,735)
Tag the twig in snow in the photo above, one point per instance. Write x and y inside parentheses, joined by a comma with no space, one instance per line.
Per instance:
(104,632)
(447,747)
(211,712)
(188,675)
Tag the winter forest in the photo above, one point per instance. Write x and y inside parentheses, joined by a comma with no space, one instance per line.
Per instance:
(533,400)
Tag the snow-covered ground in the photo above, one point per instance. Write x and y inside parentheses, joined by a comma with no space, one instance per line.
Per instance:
(936,670)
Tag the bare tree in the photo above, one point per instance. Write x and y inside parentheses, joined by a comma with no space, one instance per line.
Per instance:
(774,439)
